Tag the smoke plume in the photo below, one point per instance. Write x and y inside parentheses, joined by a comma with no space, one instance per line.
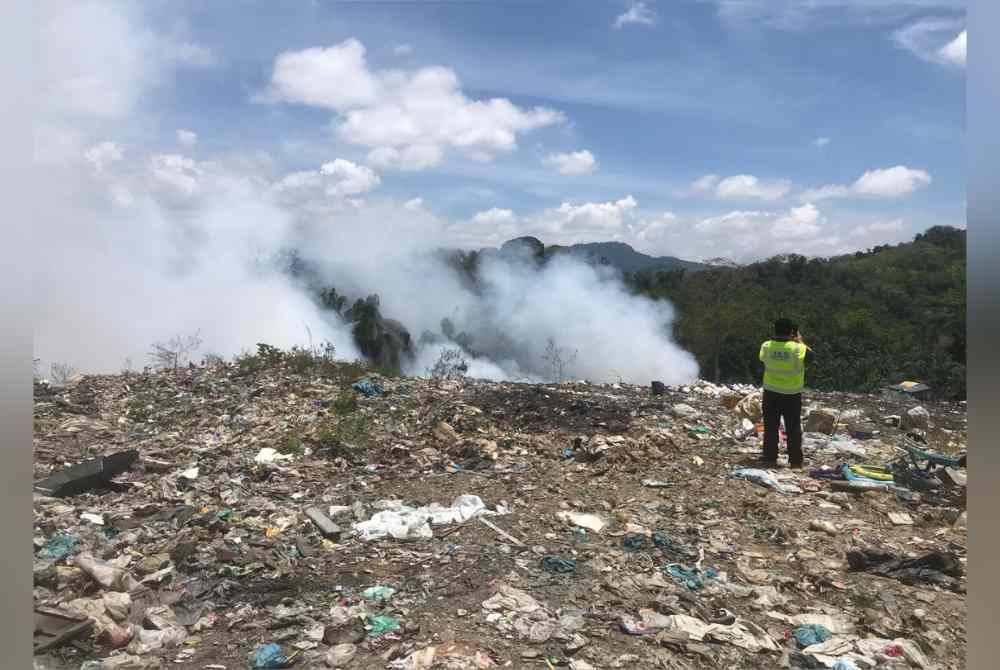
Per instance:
(139,244)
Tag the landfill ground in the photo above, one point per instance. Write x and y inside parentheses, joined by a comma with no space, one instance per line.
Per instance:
(200,552)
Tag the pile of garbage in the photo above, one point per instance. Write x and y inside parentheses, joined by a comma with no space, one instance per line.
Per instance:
(224,517)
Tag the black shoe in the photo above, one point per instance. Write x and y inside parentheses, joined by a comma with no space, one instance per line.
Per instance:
(796,466)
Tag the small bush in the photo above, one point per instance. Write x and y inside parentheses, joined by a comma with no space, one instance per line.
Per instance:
(293,445)
(60,373)
(346,403)
(176,351)
(299,361)
(558,359)
(345,438)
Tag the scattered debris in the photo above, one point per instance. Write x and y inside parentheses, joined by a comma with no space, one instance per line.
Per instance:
(88,475)
(328,528)
(589,521)
(276,518)
(937,567)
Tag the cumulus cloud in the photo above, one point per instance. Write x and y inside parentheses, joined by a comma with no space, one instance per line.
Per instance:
(705,184)
(176,175)
(747,235)
(741,187)
(954,51)
(494,216)
(187,138)
(102,155)
(327,188)
(656,229)
(821,141)
(747,186)
(893,182)
(602,218)
(407,118)
(571,164)
(936,40)
(639,13)
(414,203)
(798,223)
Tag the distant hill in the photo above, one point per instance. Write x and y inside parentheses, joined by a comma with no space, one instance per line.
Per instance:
(616,254)
(624,257)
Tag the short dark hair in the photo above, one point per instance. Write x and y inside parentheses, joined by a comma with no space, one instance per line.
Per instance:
(784,327)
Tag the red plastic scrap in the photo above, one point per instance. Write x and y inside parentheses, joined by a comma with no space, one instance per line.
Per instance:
(893,651)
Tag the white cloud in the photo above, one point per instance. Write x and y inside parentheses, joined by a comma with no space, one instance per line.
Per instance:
(407,118)
(936,40)
(749,187)
(798,223)
(329,187)
(741,187)
(954,51)
(568,223)
(403,49)
(175,174)
(821,141)
(639,14)
(572,164)
(187,138)
(414,204)
(103,154)
(348,178)
(656,229)
(335,78)
(494,216)
(893,182)
(706,183)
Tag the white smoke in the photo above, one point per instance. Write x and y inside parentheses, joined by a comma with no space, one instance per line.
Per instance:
(137,246)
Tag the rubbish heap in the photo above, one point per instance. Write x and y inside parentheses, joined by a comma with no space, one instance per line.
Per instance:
(229,516)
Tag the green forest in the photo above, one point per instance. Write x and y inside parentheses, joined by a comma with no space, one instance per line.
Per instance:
(876,317)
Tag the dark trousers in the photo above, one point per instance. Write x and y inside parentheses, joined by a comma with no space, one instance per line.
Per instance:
(779,406)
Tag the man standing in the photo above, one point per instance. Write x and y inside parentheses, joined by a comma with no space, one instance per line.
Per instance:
(784,358)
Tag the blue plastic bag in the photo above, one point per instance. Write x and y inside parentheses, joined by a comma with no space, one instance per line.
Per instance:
(269,656)
(811,634)
(367,388)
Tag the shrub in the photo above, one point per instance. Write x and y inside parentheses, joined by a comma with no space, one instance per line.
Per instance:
(176,351)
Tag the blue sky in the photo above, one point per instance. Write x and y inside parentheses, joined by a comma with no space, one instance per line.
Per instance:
(611,113)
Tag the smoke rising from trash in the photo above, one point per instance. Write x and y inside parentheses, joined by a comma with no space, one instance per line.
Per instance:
(140,244)
(146,249)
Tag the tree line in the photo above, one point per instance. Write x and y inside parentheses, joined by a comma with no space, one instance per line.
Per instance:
(876,317)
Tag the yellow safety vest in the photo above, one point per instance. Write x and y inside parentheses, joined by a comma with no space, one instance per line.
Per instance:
(784,366)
